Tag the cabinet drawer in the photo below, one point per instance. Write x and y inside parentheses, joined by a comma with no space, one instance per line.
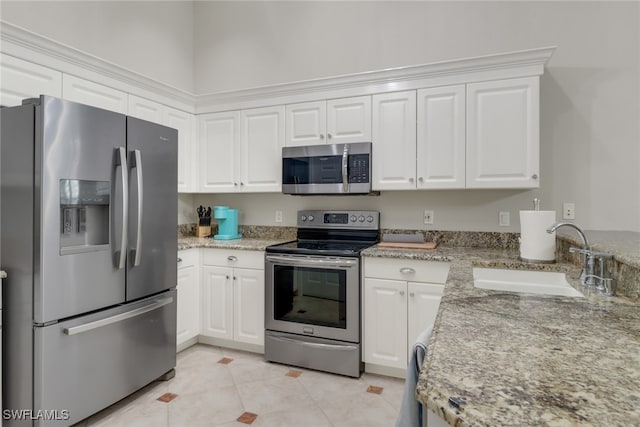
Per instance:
(188,258)
(406,269)
(234,258)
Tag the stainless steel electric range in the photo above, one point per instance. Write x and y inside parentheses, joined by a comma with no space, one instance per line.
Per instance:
(313,288)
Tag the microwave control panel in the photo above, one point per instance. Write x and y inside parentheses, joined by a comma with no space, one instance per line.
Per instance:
(359,168)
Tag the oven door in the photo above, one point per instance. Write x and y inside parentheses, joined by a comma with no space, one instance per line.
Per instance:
(313,295)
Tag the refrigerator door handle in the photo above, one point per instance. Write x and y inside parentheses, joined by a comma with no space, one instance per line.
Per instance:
(118,317)
(137,164)
(121,161)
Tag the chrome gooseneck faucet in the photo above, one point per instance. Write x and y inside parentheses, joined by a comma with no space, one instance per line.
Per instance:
(588,277)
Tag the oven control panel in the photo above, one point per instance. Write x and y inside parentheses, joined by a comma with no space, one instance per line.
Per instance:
(369,220)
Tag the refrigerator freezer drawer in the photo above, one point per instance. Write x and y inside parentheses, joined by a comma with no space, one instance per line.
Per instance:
(86,364)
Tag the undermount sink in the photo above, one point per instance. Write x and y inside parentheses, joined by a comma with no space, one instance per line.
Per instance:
(533,282)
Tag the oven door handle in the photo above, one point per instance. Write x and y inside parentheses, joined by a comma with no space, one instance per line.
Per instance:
(283,260)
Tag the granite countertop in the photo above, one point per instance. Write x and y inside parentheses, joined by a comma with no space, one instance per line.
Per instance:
(524,359)
(249,244)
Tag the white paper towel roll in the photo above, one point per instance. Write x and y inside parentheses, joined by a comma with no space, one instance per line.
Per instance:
(535,243)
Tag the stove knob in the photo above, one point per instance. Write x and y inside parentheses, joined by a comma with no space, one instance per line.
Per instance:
(353,218)
(303,218)
(311,217)
(369,218)
(361,218)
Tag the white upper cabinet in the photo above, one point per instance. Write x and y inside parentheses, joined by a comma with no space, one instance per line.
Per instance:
(90,93)
(349,120)
(394,141)
(441,137)
(219,136)
(503,133)
(185,123)
(21,79)
(242,150)
(306,123)
(146,110)
(332,122)
(261,142)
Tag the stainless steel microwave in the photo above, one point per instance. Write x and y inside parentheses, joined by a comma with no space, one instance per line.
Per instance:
(327,169)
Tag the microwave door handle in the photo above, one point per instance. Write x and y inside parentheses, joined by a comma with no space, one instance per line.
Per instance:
(137,164)
(345,172)
(121,161)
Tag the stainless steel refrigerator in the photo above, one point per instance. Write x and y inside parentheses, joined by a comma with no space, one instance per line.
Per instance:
(88,239)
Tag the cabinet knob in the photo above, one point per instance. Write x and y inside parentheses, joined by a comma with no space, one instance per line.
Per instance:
(401,293)
(232,258)
(241,183)
(410,179)
(421,179)
(321,136)
(234,277)
(227,277)
(412,294)
(534,176)
(179,259)
(406,270)
(329,136)
(235,183)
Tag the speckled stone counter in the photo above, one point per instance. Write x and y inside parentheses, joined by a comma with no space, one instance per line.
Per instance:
(523,359)
(242,244)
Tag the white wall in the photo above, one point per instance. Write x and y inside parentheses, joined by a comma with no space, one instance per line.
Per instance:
(590,92)
(154,39)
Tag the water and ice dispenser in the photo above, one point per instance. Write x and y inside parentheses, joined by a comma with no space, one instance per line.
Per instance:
(84,216)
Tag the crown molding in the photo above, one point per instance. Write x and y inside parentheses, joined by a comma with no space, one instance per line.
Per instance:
(481,68)
(27,45)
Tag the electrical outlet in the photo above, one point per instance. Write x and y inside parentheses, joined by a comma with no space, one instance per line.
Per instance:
(568,211)
(428,217)
(278,216)
(504,220)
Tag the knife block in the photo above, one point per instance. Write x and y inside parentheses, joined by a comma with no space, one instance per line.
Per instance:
(203,230)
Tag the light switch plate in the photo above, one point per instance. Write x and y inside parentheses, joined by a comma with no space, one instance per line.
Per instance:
(504,220)
(568,211)
(278,216)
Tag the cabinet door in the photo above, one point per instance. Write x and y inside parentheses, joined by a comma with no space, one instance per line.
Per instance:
(261,142)
(306,123)
(219,149)
(349,120)
(146,110)
(188,311)
(503,133)
(248,295)
(441,137)
(94,94)
(187,156)
(385,322)
(424,299)
(21,79)
(394,141)
(217,309)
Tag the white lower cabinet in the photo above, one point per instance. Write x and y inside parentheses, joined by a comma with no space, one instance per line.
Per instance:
(401,299)
(188,310)
(233,295)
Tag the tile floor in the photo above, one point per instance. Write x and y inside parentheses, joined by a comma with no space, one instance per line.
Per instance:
(221,387)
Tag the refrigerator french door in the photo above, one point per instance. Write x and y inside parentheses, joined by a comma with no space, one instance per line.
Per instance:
(88,234)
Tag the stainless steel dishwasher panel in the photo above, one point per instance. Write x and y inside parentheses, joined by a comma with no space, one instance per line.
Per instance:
(86,364)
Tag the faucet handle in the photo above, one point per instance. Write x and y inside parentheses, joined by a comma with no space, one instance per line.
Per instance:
(580,251)
(603,255)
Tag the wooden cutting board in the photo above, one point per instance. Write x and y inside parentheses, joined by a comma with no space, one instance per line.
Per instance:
(423,245)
